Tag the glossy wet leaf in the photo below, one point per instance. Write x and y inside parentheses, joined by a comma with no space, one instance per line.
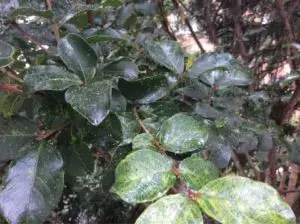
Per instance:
(196,91)
(145,90)
(207,111)
(172,209)
(6,54)
(235,199)
(50,77)
(33,185)
(144,175)
(91,101)
(220,153)
(118,102)
(15,134)
(78,55)
(168,54)
(104,34)
(196,172)
(25,12)
(130,127)
(143,141)
(124,68)
(182,133)
(146,7)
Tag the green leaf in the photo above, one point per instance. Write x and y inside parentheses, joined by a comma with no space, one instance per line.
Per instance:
(92,101)
(145,90)
(144,175)
(50,77)
(124,68)
(234,199)
(172,209)
(10,104)
(6,54)
(95,35)
(78,55)
(182,133)
(130,127)
(25,12)
(15,134)
(196,91)
(168,54)
(33,185)
(143,141)
(219,153)
(207,111)
(196,172)
(118,102)
(146,7)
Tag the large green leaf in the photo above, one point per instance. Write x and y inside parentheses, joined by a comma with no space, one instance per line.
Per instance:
(78,55)
(145,90)
(33,185)
(168,54)
(6,54)
(196,172)
(143,141)
(15,134)
(182,133)
(92,101)
(124,68)
(95,35)
(144,175)
(50,77)
(196,91)
(234,199)
(172,209)
(25,12)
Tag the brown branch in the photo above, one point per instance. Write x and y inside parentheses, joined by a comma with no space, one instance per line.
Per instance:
(188,24)
(289,109)
(252,165)
(11,88)
(51,133)
(164,20)
(90,15)
(282,186)
(237,163)
(12,74)
(154,140)
(292,197)
(55,27)
(271,171)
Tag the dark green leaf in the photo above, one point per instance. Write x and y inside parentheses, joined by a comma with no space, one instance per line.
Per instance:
(10,104)
(78,55)
(168,54)
(207,111)
(104,34)
(234,199)
(219,153)
(182,133)
(124,14)
(6,54)
(118,102)
(146,7)
(196,91)
(144,175)
(295,153)
(33,185)
(172,209)
(92,101)
(130,127)
(15,134)
(50,77)
(144,90)
(25,12)
(196,172)
(124,68)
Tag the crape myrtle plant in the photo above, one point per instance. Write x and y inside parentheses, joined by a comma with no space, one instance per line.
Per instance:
(110,107)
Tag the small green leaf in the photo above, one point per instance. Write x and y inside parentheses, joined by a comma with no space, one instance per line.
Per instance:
(50,77)
(25,12)
(172,209)
(145,90)
(15,134)
(104,34)
(196,172)
(124,68)
(78,55)
(182,133)
(168,54)
(234,199)
(33,185)
(92,101)
(143,176)
(143,141)
(6,54)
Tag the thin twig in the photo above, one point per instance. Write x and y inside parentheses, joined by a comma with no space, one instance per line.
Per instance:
(55,27)
(12,74)
(11,88)
(51,133)
(164,19)
(154,140)
(270,177)
(90,15)
(252,165)
(237,163)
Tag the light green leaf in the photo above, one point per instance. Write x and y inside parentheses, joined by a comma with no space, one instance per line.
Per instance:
(182,133)
(78,55)
(50,77)
(15,134)
(168,54)
(143,141)
(196,172)
(143,176)
(33,185)
(25,12)
(240,200)
(6,54)
(92,101)
(172,209)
